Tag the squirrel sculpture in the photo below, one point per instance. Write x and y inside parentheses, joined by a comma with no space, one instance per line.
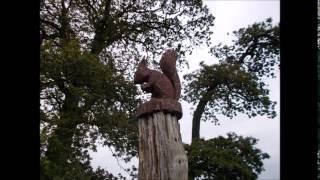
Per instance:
(164,85)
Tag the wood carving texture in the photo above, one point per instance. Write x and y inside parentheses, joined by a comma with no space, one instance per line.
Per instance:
(161,152)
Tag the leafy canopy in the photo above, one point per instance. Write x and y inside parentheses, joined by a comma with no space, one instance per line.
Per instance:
(236,84)
(89,50)
(231,157)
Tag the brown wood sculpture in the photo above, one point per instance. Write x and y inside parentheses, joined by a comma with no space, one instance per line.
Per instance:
(161,152)
(165,87)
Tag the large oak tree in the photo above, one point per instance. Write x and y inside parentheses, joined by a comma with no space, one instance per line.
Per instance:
(89,49)
(234,85)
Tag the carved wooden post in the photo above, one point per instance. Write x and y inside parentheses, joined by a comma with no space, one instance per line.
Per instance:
(161,152)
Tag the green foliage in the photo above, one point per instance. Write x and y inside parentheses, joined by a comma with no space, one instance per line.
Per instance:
(224,158)
(73,171)
(256,49)
(236,84)
(83,99)
(89,50)
(228,90)
(88,53)
(120,28)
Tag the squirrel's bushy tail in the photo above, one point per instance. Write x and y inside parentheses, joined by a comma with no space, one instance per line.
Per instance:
(168,67)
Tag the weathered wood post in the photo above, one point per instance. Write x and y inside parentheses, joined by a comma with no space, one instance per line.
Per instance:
(161,152)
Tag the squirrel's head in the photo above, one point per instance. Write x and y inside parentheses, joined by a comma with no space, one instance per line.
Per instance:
(170,54)
(142,73)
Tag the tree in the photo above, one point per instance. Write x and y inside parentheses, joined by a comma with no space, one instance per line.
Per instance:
(88,51)
(122,28)
(224,158)
(82,103)
(236,84)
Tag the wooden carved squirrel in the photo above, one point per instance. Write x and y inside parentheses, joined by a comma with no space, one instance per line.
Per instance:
(164,85)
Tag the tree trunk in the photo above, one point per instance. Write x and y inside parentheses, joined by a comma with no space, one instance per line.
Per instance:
(161,152)
(196,120)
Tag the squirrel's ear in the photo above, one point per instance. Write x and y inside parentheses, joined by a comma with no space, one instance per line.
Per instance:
(172,53)
(143,62)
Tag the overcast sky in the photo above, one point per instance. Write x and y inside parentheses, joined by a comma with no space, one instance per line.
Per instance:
(230,15)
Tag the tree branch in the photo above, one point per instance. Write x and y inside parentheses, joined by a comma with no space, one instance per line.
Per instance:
(101,25)
(50,24)
(199,111)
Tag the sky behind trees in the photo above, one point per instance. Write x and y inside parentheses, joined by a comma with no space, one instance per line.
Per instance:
(229,16)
